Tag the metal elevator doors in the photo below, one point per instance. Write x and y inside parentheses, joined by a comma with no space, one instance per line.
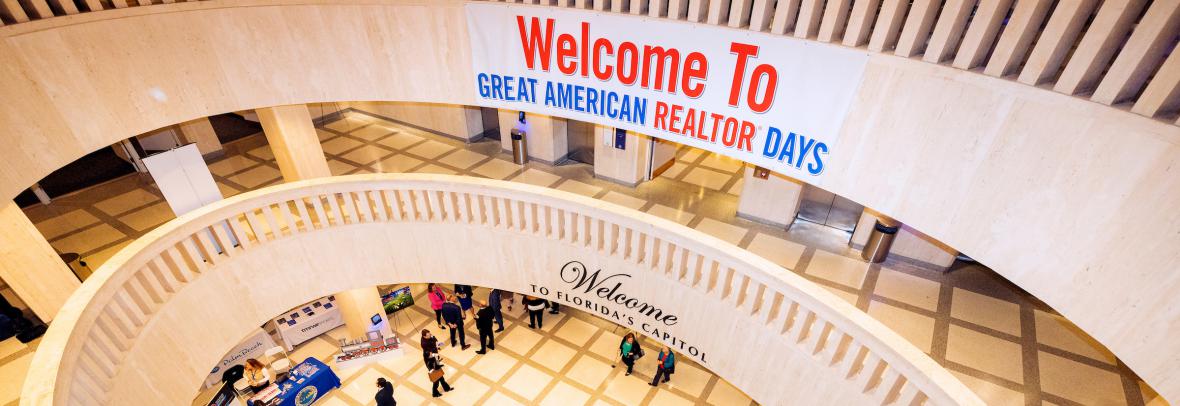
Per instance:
(828,209)
(580,140)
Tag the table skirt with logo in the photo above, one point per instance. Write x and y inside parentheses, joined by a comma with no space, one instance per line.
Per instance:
(306,383)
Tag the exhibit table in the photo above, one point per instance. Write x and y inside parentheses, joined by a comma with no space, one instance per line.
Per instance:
(349,363)
(305,383)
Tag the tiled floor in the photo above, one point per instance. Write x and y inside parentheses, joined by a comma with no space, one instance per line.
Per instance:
(1002,342)
(568,362)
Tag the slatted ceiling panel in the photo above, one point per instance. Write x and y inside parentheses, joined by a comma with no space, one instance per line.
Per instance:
(810,12)
(1013,46)
(739,13)
(678,9)
(66,6)
(1094,53)
(1055,42)
(14,10)
(1162,95)
(1143,53)
(41,9)
(981,33)
(760,14)
(657,8)
(888,25)
(860,22)
(835,19)
(917,27)
(638,7)
(697,10)
(948,31)
(785,13)
(718,12)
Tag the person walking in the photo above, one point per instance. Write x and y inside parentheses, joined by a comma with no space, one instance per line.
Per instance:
(629,351)
(384,395)
(453,315)
(464,293)
(437,298)
(429,342)
(665,366)
(495,302)
(434,370)
(553,306)
(536,308)
(483,322)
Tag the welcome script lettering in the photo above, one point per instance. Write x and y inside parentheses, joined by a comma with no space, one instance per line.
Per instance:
(604,293)
(607,287)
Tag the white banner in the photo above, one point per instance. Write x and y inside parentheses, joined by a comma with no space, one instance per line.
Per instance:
(308,321)
(774,101)
(254,346)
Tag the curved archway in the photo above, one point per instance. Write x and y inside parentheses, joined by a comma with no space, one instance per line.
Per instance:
(308,239)
(999,170)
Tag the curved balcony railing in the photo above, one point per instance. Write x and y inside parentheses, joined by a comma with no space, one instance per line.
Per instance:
(93,338)
(1114,52)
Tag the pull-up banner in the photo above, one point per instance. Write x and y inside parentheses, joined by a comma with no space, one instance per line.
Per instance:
(774,101)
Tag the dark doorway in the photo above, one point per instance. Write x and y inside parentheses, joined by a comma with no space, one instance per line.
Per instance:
(94,168)
(230,127)
(491,122)
(580,140)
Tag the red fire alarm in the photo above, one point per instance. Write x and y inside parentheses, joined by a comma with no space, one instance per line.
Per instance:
(761,173)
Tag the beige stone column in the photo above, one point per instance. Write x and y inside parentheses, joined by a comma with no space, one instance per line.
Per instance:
(358,307)
(547,136)
(200,131)
(30,265)
(627,166)
(294,142)
(296,146)
(774,200)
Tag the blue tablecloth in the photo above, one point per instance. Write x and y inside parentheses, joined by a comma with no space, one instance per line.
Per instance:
(307,382)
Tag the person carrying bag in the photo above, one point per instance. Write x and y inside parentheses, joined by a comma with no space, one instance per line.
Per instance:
(434,368)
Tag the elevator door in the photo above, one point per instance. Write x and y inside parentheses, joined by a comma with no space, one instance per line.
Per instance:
(491,122)
(580,139)
(828,209)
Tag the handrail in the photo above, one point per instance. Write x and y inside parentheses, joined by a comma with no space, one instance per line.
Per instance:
(90,339)
(1113,53)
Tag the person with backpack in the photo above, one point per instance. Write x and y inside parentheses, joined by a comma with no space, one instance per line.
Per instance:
(665,366)
(536,308)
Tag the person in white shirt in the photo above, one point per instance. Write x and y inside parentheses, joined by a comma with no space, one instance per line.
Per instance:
(257,375)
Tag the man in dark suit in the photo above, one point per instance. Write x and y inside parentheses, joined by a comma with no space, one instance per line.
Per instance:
(484,319)
(453,315)
(495,299)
